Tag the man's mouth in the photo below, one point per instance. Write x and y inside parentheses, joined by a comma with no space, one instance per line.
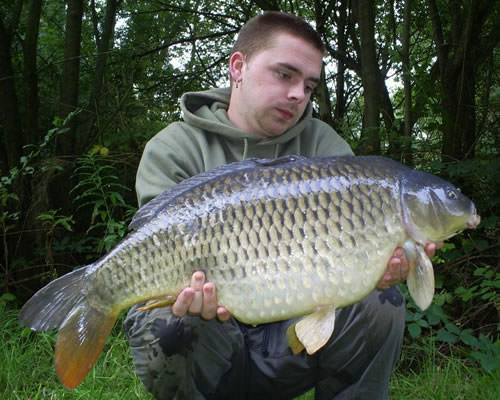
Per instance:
(285,114)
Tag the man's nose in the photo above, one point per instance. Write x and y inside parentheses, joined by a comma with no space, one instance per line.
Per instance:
(297,92)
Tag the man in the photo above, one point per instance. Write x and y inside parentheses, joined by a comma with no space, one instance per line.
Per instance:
(186,351)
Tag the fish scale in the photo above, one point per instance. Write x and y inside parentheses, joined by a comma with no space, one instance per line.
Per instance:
(279,238)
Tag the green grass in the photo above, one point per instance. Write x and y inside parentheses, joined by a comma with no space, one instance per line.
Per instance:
(427,373)
(27,372)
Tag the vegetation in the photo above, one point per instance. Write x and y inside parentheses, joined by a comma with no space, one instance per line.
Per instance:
(84,85)
(427,371)
(27,371)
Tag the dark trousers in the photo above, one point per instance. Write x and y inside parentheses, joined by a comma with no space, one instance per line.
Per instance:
(189,358)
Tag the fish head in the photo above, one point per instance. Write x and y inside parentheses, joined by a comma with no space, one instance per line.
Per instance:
(434,209)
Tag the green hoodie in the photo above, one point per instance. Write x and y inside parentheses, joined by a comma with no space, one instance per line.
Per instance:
(207,139)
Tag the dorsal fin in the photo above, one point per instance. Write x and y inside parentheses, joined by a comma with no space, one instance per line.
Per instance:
(153,207)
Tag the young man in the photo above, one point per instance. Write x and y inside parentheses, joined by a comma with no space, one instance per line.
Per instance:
(186,351)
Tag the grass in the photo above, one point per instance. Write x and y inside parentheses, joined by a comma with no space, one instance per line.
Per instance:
(428,373)
(27,373)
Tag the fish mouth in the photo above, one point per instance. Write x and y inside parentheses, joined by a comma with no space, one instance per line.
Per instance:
(474,221)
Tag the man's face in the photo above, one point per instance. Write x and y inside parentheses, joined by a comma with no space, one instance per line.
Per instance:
(276,85)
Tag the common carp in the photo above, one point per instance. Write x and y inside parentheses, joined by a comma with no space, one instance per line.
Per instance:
(279,238)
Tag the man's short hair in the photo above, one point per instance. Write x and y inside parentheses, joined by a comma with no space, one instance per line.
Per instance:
(259,31)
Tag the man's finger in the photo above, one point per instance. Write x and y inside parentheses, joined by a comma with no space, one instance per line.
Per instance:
(197,281)
(223,314)
(209,308)
(430,248)
(182,303)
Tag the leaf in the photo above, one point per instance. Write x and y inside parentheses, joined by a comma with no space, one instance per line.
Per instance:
(453,328)
(444,335)
(7,297)
(467,338)
(415,330)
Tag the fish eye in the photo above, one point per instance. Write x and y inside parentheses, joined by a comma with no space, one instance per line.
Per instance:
(452,195)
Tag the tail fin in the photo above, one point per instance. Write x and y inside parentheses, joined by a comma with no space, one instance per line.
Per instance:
(50,306)
(80,341)
(83,329)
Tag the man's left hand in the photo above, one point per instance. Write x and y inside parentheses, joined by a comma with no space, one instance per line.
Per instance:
(398,267)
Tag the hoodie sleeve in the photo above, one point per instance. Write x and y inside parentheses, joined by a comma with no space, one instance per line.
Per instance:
(168,158)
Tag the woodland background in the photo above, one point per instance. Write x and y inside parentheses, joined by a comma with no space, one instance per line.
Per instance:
(85,84)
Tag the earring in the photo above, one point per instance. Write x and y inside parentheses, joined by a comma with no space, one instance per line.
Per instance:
(238,83)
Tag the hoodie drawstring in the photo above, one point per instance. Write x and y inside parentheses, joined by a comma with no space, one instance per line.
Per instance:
(245,148)
(276,150)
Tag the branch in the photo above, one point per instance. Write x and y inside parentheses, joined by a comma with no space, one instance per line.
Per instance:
(437,29)
(186,40)
(222,18)
(348,61)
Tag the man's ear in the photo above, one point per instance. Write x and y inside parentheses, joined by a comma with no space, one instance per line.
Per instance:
(236,63)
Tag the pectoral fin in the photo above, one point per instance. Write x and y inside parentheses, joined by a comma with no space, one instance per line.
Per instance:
(293,341)
(314,330)
(163,302)
(421,278)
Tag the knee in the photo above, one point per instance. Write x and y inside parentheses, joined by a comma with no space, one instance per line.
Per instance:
(378,318)
(384,313)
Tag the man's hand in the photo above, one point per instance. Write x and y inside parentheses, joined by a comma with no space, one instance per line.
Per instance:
(398,268)
(200,299)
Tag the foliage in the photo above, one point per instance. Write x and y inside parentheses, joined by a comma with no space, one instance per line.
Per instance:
(427,372)
(35,161)
(98,188)
(466,307)
(27,371)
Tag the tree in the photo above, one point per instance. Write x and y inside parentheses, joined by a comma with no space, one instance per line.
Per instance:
(9,107)
(465,34)
(104,43)
(371,78)
(68,101)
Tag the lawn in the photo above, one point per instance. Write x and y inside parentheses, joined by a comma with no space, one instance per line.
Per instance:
(26,371)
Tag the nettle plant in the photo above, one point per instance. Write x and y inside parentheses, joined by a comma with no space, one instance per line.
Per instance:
(98,188)
(482,291)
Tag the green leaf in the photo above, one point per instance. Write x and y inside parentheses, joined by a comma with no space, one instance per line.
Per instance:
(7,297)
(444,335)
(415,330)
(453,328)
(467,338)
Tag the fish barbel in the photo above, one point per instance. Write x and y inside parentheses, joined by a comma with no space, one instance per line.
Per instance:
(279,238)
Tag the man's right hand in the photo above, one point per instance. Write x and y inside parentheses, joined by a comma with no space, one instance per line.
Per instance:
(200,299)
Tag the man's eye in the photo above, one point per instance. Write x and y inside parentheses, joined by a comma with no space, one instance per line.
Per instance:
(284,75)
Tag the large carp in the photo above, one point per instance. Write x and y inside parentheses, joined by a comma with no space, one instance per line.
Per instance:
(279,238)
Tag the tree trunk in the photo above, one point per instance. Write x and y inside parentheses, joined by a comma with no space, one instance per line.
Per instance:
(406,154)
(71,73)
(323,99)
(370,138)
(460,56)
(30,73)
(104,44)
(12,144)
(340,103)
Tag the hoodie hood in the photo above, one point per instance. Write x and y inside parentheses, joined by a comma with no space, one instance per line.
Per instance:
(207,139)
(207,110)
